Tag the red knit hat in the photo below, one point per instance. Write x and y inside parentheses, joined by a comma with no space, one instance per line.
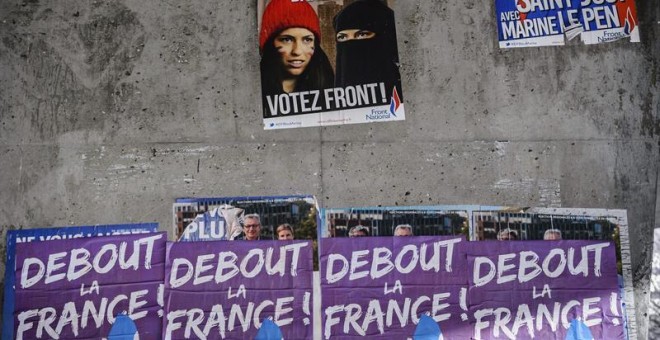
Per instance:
(282,14)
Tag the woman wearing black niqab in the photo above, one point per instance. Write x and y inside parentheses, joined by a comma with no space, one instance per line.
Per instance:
(366,46)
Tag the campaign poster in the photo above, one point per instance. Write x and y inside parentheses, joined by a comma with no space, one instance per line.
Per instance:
(544,290)
(52,234)
(399,221)
(533,23)
(245,218)
(555,224)
(239,290)
(394,287)
(328,62)
(444,287)
(90,288)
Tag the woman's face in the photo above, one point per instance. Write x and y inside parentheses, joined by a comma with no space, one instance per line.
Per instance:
(285,235)
(296,48)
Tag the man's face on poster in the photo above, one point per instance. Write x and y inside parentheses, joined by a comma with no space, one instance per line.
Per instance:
(252,228)
(552,236)
(507,235)
(404,231)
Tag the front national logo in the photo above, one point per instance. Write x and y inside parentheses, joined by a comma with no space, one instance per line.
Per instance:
(395,102)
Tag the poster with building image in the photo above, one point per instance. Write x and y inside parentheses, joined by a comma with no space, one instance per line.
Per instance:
(390,221)
(556,224)
(238,218)
(445,287)
(328,62)
(602,305)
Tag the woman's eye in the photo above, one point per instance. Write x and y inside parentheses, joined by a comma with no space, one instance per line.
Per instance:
(285,39)
(363,34)
(308,39)
(342,37)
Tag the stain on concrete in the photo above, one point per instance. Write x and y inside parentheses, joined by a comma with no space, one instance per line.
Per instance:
(67,64)
(650,113)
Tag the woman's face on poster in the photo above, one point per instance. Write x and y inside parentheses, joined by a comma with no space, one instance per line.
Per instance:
(296,48)
(285,235)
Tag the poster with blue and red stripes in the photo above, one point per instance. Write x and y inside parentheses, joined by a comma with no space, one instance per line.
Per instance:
(533,23)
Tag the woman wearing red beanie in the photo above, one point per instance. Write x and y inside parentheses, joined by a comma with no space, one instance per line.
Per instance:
(291,56)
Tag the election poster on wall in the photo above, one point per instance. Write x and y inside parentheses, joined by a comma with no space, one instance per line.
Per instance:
(540,289)
(246,217)
(554,224)
(15,237)
(496,224)
(533,23)
(435,287)
(239,290)
(90,288)
(394,287)
(329,62)
(389,221)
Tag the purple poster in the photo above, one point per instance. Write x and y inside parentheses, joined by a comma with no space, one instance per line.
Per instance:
(238,290)
(89,288)
(542,290)
(383,286)
(437,287)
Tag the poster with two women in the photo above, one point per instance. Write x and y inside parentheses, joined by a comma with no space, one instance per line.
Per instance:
(328,62)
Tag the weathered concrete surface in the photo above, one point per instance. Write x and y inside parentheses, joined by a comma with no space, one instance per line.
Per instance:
(110,110)
(653,310)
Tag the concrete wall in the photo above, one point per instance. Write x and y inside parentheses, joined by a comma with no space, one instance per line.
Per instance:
(110,110)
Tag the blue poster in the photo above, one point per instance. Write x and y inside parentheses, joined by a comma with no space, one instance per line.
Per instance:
(533,23)
(48,234)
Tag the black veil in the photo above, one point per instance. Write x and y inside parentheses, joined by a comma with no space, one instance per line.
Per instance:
(368,60)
